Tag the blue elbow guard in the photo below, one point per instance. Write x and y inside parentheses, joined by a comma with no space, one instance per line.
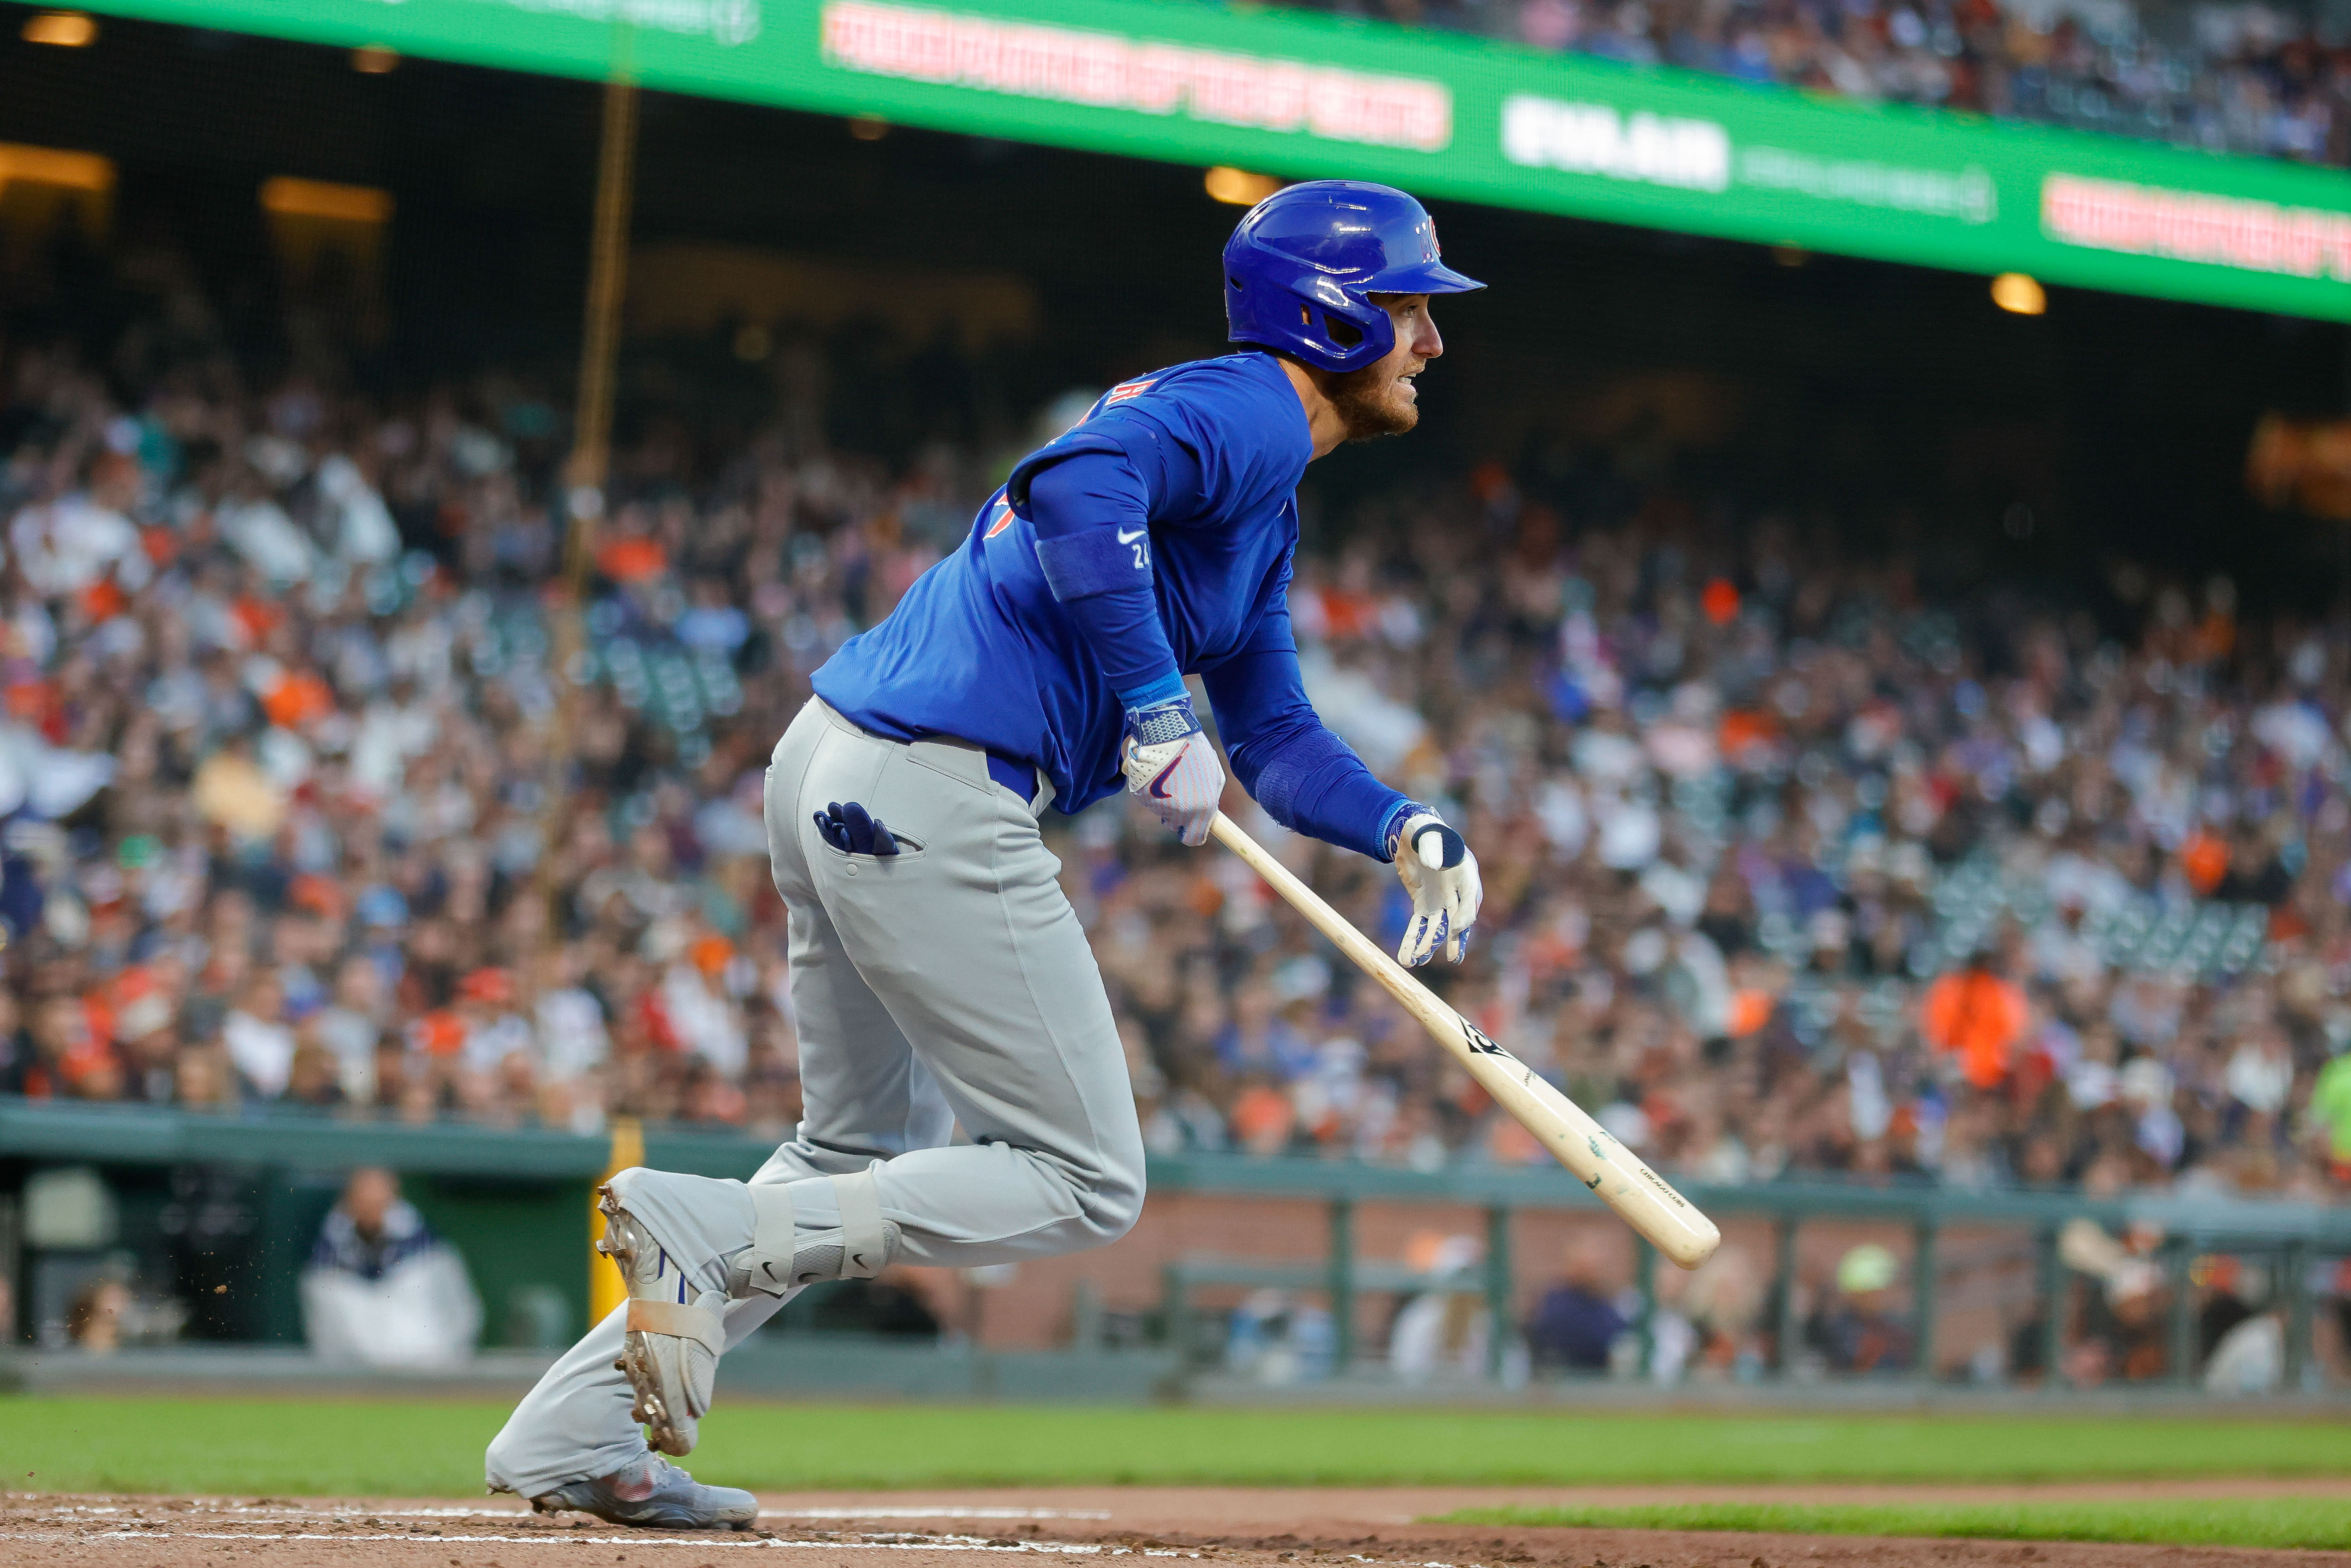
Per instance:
(1095,560)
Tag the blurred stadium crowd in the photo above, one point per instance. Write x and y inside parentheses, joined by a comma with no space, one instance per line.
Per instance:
(2233,77)
(1789,869)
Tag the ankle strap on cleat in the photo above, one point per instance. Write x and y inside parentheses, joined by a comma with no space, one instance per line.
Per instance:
(696,1324)
(766,1265)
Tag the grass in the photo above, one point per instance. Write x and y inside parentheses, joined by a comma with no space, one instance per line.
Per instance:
(2320,1523)
(432,1447)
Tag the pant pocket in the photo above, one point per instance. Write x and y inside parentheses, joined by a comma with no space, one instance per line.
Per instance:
(910,848)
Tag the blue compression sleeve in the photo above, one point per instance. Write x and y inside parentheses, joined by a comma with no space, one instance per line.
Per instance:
(1306,778)
(1092,514)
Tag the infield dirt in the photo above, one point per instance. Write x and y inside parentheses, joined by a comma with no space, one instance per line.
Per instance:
(1238,1527)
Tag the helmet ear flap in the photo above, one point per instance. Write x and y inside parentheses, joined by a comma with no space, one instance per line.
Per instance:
(1336,329)
(1325,333)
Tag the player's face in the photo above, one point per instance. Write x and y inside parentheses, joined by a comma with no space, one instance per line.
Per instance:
(1381,398)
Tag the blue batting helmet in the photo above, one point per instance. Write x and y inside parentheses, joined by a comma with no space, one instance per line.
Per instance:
(1301,269)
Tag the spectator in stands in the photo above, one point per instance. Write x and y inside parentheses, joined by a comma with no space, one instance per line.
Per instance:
(257,1037)
(1445,1325)
(94,1322)
(2330,1106)
(2123,1328)
(2240,1346)
(380,1288)
(144,1024)
(1576,1323)
(1859,1332)
(204,1079)
(1977,1016)
(1723,1302)
(313,1077)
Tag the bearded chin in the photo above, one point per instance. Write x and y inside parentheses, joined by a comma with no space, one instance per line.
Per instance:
(1367,403)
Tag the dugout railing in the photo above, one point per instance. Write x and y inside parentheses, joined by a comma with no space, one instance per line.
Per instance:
(485,1165)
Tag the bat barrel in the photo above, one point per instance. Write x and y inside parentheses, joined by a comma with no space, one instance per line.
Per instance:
(1617,1177)
(1688,1239)
(1611,1172)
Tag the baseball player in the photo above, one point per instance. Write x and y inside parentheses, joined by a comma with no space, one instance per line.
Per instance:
(939,977)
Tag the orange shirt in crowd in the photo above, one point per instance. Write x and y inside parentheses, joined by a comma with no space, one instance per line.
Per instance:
(2205,859)
(297,699)
(632,560)
(1262,1119)
(1980,1016)
(1751,1010)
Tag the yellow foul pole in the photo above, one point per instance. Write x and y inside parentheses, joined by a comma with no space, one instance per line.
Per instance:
(606,1290)
(583,501)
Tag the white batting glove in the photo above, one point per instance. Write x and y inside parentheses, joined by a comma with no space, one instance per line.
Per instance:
(1171,765)
(1438,869)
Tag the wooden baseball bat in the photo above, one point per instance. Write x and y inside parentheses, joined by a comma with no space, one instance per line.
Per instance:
(1640,1196)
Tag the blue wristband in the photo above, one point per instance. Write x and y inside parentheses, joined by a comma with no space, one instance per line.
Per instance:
(1396,820)
(1165,689)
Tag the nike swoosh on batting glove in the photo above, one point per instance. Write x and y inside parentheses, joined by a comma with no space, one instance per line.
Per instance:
(1171,767)
(1437,868)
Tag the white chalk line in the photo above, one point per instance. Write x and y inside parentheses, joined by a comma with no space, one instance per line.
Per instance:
(256,1510)
(927,1512)
(552,1538)
(253,1511)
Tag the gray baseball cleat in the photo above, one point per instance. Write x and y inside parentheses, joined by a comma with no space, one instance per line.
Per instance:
(654,1494)
(674,1336)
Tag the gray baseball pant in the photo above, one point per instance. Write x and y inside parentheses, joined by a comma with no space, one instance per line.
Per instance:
(948,984)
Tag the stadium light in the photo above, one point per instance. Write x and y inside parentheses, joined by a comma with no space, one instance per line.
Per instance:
(374,61)
(1238,187)
(53,166)
(288,197)
(65,29)
(2019,295)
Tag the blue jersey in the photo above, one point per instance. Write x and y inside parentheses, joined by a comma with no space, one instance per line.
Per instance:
(980,649)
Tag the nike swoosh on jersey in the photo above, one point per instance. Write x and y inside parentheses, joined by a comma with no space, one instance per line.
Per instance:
(1126,536)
